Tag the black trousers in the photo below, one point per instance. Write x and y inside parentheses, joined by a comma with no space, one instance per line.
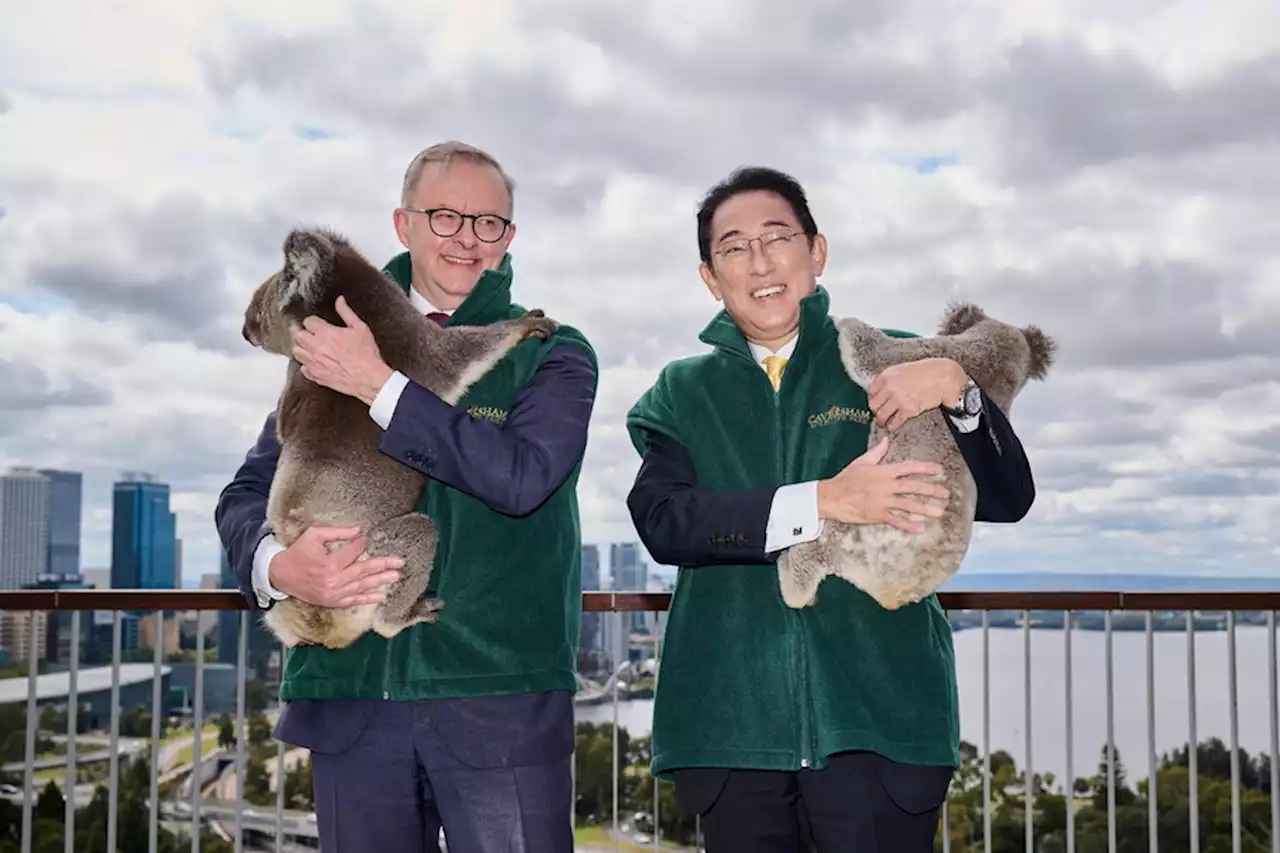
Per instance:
(860,803)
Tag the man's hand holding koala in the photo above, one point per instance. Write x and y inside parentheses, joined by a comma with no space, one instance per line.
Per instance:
(344,358)
(902,391)
(865,492)
(307,570)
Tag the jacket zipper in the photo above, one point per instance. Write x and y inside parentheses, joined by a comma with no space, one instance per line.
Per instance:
(802,672)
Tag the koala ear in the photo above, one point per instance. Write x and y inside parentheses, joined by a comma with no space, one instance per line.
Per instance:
(1043,349)
(308,258)
(960,316)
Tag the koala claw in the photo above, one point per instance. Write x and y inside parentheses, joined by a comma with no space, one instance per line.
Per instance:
(538,325)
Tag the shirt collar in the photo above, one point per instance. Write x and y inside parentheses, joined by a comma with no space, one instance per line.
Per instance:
(759,353)
(420,302)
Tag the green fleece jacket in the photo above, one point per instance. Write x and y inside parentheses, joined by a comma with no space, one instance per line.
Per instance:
(512,585)
(745,681)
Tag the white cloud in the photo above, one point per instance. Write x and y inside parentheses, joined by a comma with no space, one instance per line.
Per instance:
(1102,169)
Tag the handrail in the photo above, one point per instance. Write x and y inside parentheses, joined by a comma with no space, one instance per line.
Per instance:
(598,602)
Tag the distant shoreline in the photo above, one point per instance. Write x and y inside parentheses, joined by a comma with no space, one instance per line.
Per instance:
(1094,620)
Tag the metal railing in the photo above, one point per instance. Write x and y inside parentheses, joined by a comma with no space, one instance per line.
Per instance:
(1022,801)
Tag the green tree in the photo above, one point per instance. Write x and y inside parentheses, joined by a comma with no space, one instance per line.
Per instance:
(257,784)
(226,732)
(259,731)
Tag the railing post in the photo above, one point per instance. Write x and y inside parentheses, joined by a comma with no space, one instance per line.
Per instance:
(29,791)
(197,745)
(1070,715)
(157,657)
(1193,750)
(1153,816)
(69,821)
(242,673)
(113,782)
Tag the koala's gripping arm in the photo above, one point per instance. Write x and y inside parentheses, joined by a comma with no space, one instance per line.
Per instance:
(512,468)
(451,360)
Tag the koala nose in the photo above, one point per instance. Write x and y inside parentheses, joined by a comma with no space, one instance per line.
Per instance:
(244,330)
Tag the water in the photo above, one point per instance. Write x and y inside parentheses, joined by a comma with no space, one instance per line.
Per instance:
(1089,708)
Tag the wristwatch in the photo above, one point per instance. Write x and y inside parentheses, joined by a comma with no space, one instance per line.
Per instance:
(969,404)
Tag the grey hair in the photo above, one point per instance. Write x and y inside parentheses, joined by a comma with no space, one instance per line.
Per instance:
(443,153)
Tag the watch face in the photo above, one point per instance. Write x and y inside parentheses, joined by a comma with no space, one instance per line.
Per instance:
(972,400)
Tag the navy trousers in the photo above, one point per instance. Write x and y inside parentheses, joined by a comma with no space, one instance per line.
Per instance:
(494,772)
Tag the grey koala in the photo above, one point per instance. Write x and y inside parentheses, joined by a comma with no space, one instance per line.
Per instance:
(893,566)
(330,470)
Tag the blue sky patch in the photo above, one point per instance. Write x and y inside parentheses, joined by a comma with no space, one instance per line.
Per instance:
(312,134)
(929,165)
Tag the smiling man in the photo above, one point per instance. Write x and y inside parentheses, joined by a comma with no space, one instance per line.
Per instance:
(835,725)
(466,723)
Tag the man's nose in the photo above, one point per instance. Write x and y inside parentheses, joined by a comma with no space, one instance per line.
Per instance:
(761,263)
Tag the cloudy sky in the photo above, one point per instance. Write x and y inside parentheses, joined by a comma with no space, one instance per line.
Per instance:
(1107,170)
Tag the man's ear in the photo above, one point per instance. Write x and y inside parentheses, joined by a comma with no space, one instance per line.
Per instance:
(709,279)
(400,219)
(818,254)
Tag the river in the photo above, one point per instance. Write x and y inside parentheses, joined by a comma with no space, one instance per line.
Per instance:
(1089,709)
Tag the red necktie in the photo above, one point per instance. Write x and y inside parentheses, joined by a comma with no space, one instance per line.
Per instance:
(439,316)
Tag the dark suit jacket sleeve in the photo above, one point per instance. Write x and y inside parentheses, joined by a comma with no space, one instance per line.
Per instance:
(511,468)
(999,466)
(683,525)
(241,512)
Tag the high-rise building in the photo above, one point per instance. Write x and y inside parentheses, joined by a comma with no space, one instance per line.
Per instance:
(24,527)
(590,643)
(65,499)
(142,534)
(630,574)
(58,624)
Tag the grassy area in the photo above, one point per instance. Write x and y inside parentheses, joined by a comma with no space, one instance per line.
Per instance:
(188,753)
(87,774)
(595,836)
(180,734)
(60,750)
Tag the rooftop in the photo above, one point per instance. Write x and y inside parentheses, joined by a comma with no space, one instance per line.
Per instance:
(56,685)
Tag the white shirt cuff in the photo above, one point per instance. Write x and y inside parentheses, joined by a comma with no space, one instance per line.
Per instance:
(267,548)
(968,424)
(793,517)
(384,404)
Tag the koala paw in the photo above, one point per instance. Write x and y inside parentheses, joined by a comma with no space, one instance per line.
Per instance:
(538,325)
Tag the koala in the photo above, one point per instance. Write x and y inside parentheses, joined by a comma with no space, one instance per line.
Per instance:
(893,566)
(330,470)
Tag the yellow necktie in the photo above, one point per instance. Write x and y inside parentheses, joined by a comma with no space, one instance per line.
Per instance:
(774,365)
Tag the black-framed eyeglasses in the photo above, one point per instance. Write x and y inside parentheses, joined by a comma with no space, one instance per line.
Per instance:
(446,222)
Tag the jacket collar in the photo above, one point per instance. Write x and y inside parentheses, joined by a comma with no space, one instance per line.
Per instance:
(723,333)
(488,301)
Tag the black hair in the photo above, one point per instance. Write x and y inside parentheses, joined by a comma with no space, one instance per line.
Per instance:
(748,179)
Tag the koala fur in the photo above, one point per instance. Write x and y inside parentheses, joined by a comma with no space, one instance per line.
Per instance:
(330,470)
(893,566)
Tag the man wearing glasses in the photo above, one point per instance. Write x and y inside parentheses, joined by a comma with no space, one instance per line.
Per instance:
(467,723)
(835,724)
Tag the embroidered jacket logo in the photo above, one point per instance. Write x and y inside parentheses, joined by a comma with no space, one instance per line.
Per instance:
(488,413)
(838,414)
